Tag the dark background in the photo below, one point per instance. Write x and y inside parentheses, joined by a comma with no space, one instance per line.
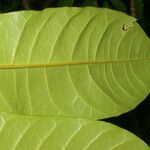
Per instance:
(137,120)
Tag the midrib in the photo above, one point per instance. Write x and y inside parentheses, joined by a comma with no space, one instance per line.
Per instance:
(61,64)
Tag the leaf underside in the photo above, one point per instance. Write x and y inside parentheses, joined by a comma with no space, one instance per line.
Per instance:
(38,133)
(75,63)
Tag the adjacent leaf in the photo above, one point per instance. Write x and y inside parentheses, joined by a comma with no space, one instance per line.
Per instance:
(44,133)
(139,6)
(65,2)
(6,6)
(89,3)
(106,4)
(119,5)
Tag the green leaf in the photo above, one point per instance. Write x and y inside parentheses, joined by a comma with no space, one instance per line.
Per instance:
(44,133)
(139,6)
(65,3)
(89,3)
(75,62)
(6,6)
(69,62)
(119,5)
(106,4)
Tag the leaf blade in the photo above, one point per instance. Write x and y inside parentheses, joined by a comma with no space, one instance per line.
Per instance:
(71,132)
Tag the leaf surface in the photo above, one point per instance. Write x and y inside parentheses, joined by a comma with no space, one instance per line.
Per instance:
(75,63)
(44,133)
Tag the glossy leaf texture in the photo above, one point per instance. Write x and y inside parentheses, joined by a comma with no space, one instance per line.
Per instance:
(99,63)
(44,133)
(76,63)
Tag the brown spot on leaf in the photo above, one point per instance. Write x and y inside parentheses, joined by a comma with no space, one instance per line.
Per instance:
(127,26)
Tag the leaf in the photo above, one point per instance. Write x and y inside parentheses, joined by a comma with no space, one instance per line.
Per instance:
(73,63)
(65,3)
(119,5)
(38,133)
(106,4)
(6,6)
(89,3)
(139,6)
